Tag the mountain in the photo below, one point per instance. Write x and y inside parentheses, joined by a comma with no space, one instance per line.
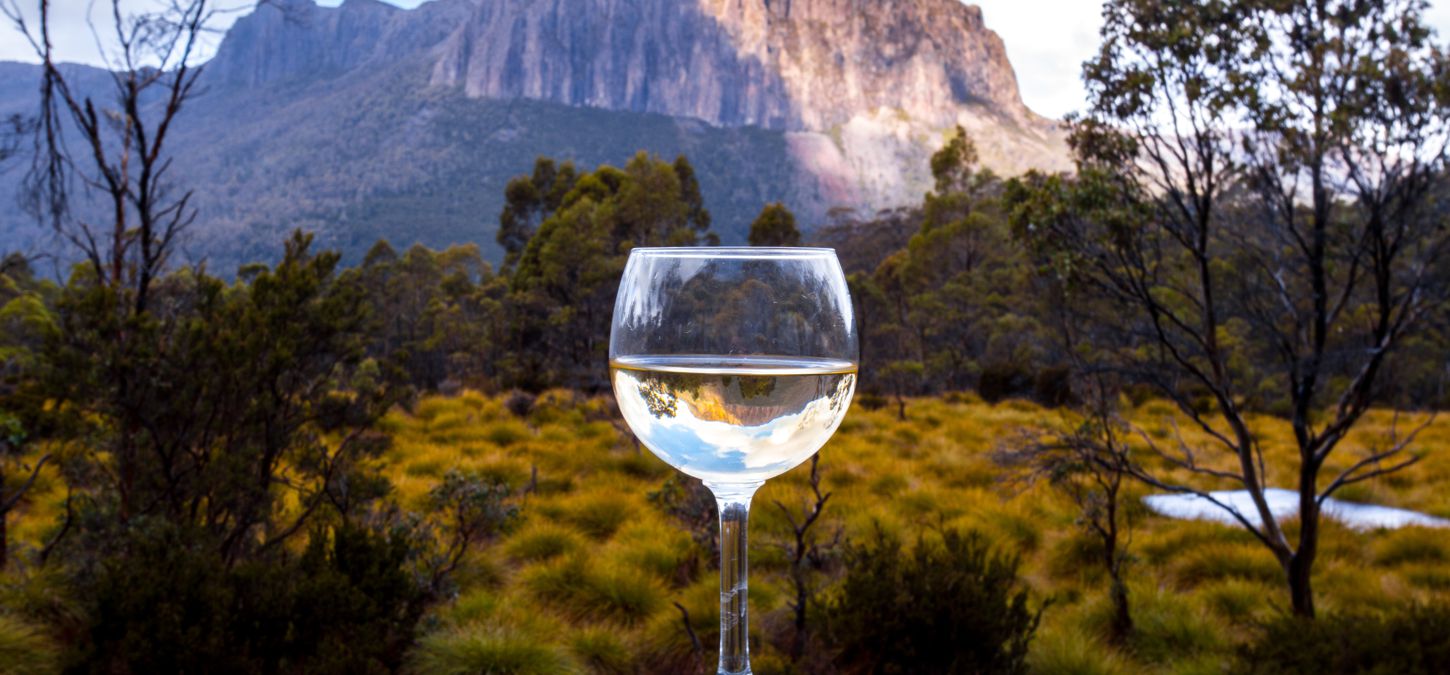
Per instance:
(367,121)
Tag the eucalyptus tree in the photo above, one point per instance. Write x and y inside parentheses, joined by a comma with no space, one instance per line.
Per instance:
(1252,228)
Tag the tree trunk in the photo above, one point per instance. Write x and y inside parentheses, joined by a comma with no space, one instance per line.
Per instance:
(4,535)
(1301,591)
(1122,617)
(1300,567)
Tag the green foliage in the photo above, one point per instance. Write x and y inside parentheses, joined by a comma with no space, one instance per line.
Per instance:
(223,510)
(947,606)
(347,604)
(775,226)
(439,314)
(1411,641)
(958,306)
(562,292)
(694,507)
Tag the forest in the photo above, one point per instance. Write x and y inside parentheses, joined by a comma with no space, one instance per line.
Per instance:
(414,464)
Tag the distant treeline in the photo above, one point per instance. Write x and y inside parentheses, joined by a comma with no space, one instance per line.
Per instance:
(950,297)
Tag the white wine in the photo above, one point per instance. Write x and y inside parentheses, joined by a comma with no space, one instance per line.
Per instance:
(733,419)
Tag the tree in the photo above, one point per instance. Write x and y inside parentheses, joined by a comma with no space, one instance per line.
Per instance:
(958,302)
(807,553)
(117,154)
(1089,461)
(528,200)
(561,293)
(26,322)
(775,226)
(12,131)
(1250,228)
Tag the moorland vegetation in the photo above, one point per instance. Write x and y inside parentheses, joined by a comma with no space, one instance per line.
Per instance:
(412,464)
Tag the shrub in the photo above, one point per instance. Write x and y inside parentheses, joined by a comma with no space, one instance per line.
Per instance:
(347,604)
(1053,386)
(688,502)
(870,401)
(519,403)
(999,382)
(948,606)
(1409,641)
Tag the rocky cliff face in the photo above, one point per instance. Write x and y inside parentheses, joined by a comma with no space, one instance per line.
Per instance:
(865,88)
(786,64)
(366,120)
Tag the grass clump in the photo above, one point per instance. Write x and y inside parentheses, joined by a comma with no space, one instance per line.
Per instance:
(473,649)
(544,541)
(598,514)
(602,650)
(1412,545)
(1236,600)
(506,432)
(1217,561)
(1167,626)
(588,588)
(1072,652)
(24,650)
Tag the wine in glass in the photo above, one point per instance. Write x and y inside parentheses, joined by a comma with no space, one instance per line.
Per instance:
(733,365)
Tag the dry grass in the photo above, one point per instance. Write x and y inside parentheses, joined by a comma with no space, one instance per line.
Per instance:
(589,581)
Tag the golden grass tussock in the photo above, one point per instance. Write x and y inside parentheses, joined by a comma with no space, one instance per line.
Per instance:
(603,651)
(543,541)
(1412,545)
(1239,601)
(1070,651)
(25,649)
(1225,560)
(493,649)
(587,587)
(588,581)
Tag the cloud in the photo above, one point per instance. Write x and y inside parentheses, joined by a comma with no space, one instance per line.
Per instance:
(1047,41)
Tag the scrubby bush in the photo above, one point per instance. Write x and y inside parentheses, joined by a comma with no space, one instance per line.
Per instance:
(1409,641)
(999,382)
(949,605)
(347,604)
(692,505)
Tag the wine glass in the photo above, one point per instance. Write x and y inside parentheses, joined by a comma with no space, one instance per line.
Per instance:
(733,365)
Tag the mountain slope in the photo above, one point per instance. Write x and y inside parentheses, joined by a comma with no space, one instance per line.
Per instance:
(366,120)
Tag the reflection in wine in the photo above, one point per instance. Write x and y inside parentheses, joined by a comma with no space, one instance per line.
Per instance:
(733,419)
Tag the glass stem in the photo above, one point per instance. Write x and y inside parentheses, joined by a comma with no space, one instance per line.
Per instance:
(734,503)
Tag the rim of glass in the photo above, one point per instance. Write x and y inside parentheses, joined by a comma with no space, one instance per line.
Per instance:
(734,251)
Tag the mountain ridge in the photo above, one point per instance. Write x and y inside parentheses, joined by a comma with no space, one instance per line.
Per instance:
(309,113)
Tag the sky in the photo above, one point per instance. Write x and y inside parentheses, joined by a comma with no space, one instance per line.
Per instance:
(1047,40)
